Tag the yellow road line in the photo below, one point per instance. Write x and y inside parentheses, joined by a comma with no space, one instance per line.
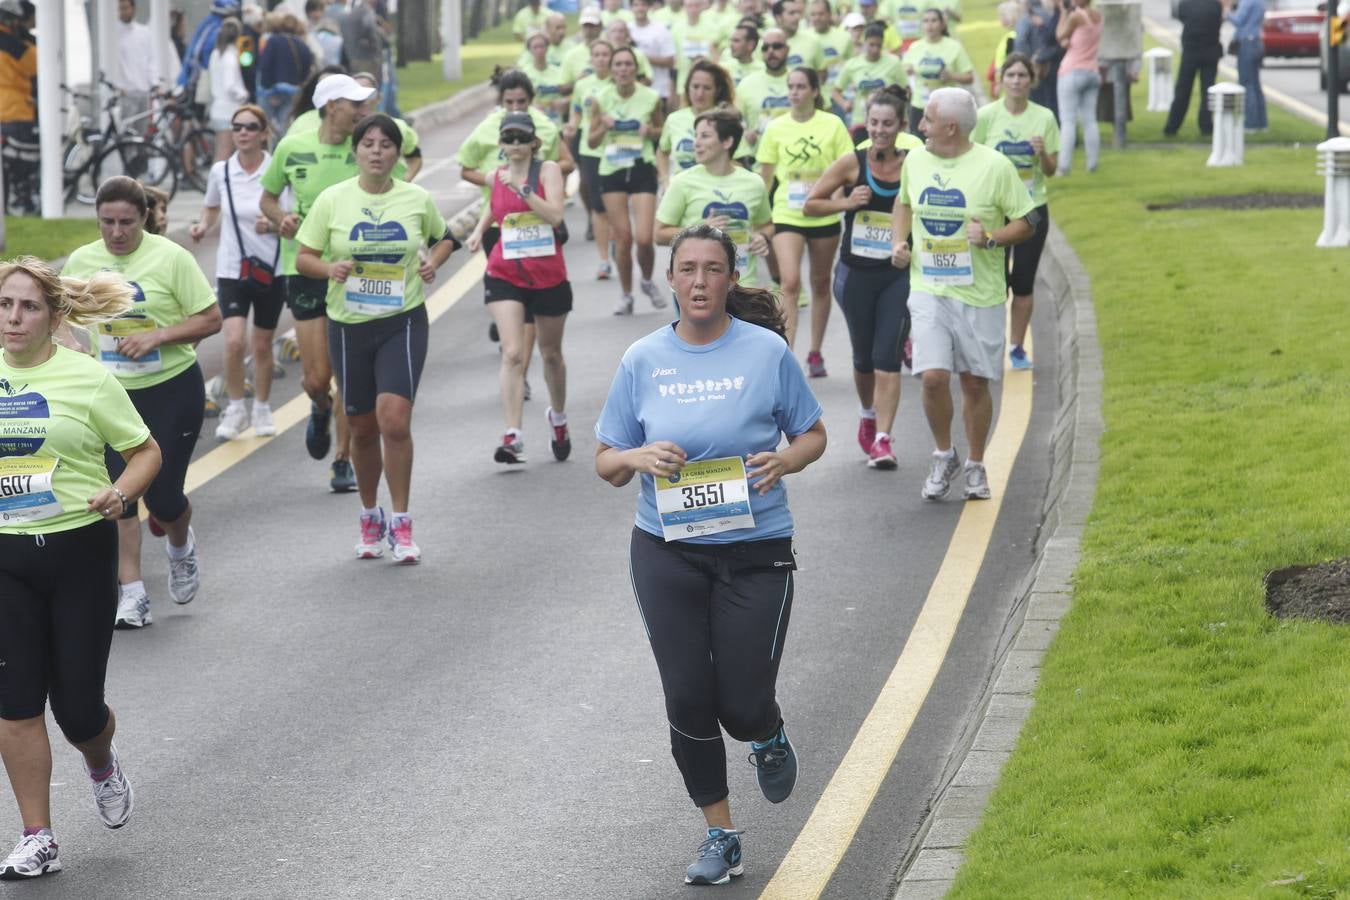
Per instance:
(296,410)
(815,854)
(1293,104)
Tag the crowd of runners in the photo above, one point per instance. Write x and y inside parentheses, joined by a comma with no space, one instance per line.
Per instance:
(754,139)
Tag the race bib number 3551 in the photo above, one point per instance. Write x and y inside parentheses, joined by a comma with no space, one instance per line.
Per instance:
(706,497)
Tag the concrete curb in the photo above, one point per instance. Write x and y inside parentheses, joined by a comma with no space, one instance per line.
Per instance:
(455,107)
(1043,596)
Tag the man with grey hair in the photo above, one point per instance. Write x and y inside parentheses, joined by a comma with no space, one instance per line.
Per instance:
(964,203)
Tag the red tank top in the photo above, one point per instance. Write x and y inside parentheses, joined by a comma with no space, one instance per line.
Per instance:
(527,254)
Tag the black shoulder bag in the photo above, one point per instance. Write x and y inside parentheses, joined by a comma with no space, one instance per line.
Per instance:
(252,271)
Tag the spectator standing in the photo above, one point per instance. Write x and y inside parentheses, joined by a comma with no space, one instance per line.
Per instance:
(1080,34)
(284,64)
(362,38)
(18,105)
(228,91)
(1200,52)
(136,74)
(1036,39)
(197,58)
(1247,19)
(324,37)
(178,32)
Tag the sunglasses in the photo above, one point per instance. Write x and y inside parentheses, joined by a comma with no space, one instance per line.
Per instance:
(774,46)
(516,137)
(245,126)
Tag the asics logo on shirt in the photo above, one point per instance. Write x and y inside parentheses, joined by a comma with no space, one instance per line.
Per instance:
(657,373)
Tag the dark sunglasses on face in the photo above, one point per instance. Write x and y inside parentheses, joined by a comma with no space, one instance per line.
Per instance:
(516,137)
(245,126)
(774,46)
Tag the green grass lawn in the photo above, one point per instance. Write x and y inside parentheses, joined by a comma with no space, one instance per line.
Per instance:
(420,83)
(1184,743)
(46,238)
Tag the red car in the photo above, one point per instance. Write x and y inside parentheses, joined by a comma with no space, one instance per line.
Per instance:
(1291,28)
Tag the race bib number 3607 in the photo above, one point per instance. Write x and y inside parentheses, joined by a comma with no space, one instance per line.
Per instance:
(706,497)
(26,493)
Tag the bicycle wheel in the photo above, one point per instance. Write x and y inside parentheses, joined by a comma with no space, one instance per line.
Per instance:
(137,159)
(196,155)
(80,177)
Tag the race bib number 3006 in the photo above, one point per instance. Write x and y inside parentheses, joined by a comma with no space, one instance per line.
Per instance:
(375,289)
(705,498)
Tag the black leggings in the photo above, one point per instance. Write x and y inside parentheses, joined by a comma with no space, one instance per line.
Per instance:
(716,616)
(58,598)
(876,308)
(1026,256)
(173,412)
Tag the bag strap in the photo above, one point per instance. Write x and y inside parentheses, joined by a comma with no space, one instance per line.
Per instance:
(532,180)
(234,218)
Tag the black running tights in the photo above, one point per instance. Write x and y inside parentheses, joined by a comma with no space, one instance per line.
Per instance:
(716,616)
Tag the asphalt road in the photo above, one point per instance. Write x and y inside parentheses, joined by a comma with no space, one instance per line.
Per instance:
(489,724)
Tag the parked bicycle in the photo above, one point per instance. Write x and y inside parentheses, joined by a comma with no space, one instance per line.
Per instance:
(92,155)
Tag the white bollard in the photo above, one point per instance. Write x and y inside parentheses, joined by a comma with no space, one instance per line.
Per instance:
(1225,100)
(1160,88)
(1333,160)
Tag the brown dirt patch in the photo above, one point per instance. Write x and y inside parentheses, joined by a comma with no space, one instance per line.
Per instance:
(1311,592)
(1245,201)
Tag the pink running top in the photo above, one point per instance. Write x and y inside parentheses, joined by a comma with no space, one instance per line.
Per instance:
(1083,45)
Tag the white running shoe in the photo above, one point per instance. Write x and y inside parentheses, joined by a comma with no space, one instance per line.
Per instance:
(263,426)
(184,578)
(133,610)
(113,796)
(944,469)
(232,422)
(625,305)
(654,294)
(373,530)
(401,542)
(977,481)
(34,855)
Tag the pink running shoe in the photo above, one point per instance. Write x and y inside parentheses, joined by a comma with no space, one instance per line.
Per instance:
(401,542)
(867,433)
(881,456)
(373,530)
(815,365)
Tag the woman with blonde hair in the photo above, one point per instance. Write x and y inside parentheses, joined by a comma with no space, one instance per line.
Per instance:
(58,542)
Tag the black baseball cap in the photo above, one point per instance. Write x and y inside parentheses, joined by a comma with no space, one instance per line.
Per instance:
(517,121)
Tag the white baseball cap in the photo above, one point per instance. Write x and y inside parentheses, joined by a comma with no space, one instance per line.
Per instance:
(853,20)
(591,16)
(340,87)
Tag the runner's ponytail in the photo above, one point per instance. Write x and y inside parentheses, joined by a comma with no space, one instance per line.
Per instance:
(104,296)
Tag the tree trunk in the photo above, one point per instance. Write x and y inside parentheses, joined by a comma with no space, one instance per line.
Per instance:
(416,30)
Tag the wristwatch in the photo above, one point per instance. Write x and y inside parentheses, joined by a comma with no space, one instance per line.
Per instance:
(525,191)
(990,243)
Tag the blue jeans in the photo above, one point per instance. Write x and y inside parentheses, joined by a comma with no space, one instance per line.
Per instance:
(1249,76)
(1078,90)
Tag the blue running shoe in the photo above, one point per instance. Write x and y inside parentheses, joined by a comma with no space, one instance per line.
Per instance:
(719,858)
(318,440)
(1019,359)
(776,765)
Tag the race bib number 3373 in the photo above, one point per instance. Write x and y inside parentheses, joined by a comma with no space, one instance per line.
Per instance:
(705,498)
